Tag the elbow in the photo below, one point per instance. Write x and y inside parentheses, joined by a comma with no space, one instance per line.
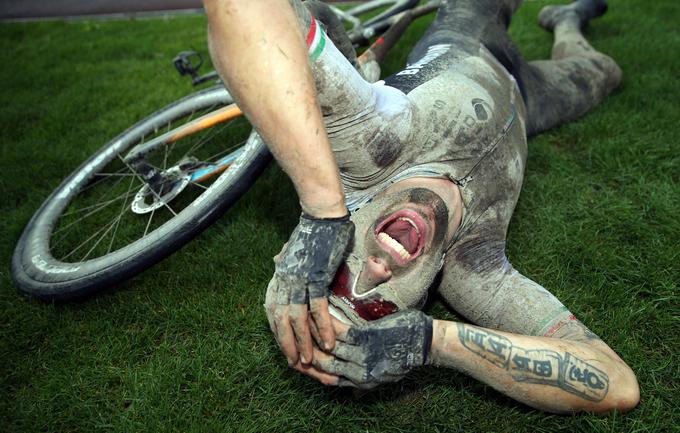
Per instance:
(629,396)
(626,396)
(212,6)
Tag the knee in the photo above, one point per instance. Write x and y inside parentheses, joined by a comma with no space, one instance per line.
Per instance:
(616,74)
(610,69)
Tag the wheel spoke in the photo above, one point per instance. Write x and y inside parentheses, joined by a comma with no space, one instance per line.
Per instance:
(165,149)
(122,210)
(215,157)
(172,146)
(98,181)
(86,208)
(113,174)
(211,134)
(198,184)
(115,184)
(107,227)
(115,223)
(101,207)
(146,229)
(99,220)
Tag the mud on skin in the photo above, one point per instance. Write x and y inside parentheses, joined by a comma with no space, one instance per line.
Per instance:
(382,352)
(436,106)
(306,265)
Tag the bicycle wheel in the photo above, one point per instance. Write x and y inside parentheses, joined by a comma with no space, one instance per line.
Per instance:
(104,224)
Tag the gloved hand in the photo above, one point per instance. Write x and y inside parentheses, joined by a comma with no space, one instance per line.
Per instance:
(381,351)
(304,269)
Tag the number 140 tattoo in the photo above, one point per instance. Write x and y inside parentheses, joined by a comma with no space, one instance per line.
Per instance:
(539,366)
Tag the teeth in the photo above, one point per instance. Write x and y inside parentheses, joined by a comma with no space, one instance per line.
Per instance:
(410,222)
(394,244)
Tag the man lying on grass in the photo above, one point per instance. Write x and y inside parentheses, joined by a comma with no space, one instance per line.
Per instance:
(432,161)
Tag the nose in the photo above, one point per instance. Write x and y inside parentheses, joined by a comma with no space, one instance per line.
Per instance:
(375,271)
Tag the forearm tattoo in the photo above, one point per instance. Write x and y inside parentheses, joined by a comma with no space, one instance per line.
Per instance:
(539,366)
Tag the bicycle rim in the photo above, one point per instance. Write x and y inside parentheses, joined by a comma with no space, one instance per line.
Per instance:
(104,223)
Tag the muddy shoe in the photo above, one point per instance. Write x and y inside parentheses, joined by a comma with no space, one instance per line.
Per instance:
(582,11)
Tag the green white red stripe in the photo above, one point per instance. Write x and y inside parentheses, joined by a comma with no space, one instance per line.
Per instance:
(316,40)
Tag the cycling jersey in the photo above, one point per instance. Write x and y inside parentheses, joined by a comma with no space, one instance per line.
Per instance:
(453,112)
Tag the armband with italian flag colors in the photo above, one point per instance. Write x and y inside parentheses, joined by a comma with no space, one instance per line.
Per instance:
(316,40)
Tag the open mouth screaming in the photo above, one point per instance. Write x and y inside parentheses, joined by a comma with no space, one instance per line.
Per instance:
(402,235)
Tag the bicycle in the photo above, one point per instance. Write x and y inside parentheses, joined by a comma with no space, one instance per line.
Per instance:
(164,180)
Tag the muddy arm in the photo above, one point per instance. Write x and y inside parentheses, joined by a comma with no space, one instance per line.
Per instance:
(577,372)
(528,344)
(259,49)
(263,58)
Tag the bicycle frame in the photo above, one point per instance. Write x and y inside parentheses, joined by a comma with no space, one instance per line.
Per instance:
(363,31)
(395,19)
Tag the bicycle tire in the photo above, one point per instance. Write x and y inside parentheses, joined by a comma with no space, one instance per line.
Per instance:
(36,272)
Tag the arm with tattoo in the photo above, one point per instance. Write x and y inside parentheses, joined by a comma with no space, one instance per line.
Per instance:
(577,372)
(570,370)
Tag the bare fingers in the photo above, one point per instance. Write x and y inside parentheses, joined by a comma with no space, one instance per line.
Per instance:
(284,334)
(322,318)
(312,371)
(303,336)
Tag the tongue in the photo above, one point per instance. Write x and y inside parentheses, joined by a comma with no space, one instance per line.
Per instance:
(404,233)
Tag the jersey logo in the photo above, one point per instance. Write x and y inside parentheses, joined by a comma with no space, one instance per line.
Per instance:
(433,52)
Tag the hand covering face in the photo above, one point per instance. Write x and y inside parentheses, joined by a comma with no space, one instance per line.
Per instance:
(304,269)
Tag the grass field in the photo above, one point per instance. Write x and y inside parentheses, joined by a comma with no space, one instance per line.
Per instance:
(185,346)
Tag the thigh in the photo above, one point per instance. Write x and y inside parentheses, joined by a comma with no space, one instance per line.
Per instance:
(460,30)
(563,90)
(468,20)
(467,25)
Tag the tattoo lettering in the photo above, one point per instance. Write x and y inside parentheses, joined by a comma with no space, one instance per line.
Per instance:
(521,363)
(539,366)
(490,346)
(535,366)
(585,379)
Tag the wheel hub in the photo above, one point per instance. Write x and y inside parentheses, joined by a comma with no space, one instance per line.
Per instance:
(147,200)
